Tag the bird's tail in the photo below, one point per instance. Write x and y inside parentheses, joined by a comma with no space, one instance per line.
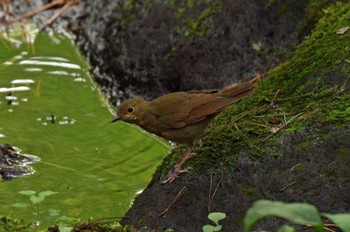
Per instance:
(237,90)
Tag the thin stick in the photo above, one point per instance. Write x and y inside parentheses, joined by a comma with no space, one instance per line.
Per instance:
(238,118)
(210,187)
(58,13)
(272,101)
(182,191)
(295,166)
(283,126)
(284,188)
(213,196)
(328,229)
(260,125)
(40,9)
(340,91)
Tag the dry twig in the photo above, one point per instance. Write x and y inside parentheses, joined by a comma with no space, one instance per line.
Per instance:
(285,187)
(177,197)
(65,3)
(212,196)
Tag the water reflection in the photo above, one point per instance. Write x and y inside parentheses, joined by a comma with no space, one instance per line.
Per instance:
(65,120)
(22,81)
(14,89)
(33,69)
(49,63)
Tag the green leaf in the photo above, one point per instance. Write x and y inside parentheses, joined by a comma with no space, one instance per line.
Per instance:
(216,217)
(36,199)
(342,220)
(64,218)
(40,197)
(65,228)
(46,193)
(20,205)
(27,192)
(210,228)
(300,213)
(286,228)
(54,212)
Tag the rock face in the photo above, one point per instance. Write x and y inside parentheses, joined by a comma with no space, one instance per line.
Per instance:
(289,141)
(316,172)
(150,48)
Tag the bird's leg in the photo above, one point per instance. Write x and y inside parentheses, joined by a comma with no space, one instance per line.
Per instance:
(177,166)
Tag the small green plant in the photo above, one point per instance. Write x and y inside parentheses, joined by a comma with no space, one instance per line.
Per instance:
(11,224)
(35,199)
(214,217)
(299,213)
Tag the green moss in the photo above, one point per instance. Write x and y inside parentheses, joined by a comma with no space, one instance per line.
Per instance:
(250,191)
(313,12)
(193,18)
(339,111)
(344,152)
(306,143)
(312,87)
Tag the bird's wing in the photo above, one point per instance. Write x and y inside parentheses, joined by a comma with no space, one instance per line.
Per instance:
(207,105)
(182,109)
(185,108)
(215,101)
(170,110)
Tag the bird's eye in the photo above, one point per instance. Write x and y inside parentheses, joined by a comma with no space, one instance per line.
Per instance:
(130,109)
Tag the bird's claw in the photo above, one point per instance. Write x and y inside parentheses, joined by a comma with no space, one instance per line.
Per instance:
(173,175)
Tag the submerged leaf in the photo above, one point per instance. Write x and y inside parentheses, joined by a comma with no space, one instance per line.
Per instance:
(27,192)
(47,193)
(20,205)
(36,199)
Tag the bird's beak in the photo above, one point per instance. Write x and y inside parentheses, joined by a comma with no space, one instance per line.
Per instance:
(116,119)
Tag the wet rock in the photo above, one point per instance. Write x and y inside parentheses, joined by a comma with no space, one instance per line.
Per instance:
(150,48)
(13,164)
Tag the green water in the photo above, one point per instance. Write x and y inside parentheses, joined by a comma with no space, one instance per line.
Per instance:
(96,167)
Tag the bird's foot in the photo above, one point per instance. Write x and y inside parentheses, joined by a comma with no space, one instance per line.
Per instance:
(173,175)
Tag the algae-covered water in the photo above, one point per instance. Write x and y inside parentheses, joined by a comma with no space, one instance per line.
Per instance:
(50,107)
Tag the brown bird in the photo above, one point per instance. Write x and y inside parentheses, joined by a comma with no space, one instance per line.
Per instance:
(181,116)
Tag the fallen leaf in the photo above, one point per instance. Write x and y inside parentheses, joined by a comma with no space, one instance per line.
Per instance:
(342,31)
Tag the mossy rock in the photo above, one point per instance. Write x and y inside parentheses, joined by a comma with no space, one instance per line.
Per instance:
(288,141)
(312,88)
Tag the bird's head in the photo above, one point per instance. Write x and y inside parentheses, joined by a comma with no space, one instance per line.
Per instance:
(132,111)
